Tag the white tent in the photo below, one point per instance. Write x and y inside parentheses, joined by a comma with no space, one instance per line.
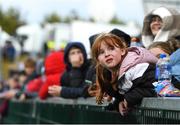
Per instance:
(81,31)
(34,34)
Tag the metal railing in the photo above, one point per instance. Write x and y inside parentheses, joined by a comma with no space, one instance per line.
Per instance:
(67,111)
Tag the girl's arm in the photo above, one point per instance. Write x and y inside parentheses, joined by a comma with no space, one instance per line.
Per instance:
(142,87)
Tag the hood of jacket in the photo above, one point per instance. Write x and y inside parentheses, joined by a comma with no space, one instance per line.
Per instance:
(135,56)
(170,27)
(54,63)
(66,53)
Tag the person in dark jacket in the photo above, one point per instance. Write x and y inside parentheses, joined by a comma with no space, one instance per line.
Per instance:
(72,81)
(9,51)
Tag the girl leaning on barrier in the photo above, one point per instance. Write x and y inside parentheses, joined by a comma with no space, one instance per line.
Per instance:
(124,73)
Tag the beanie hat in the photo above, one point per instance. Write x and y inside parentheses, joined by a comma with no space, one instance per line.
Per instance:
(92,39)
(123,35)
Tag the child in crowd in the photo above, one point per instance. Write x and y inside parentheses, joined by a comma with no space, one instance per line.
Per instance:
(167,48)
(72,81)
(170,48)
(91,73)
(124,73)
(30,72)
(54,68)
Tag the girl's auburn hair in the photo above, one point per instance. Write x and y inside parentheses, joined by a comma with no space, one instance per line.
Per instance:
(103,76)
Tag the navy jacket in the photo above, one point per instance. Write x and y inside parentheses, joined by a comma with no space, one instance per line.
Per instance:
(72,80)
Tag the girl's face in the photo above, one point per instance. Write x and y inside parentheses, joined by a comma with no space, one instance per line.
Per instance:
(155,25)
(157,51)
(110,56)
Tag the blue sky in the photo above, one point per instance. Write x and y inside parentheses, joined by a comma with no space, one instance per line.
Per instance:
(34,10)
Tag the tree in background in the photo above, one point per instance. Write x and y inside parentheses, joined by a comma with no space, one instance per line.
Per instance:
(91,19)
(115,20)
(67,19)
(10,20)
(55,18)
(52,18)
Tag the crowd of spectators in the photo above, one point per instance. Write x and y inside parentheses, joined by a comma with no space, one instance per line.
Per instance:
(121,66)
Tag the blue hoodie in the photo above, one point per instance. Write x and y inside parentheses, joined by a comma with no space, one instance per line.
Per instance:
(175,62)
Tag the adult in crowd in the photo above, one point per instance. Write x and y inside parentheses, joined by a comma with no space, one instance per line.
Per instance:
(160,24)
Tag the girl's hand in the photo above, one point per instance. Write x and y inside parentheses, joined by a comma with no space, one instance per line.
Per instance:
(54,90)
(108,97)
(123,107)
(92,90)
(22,97)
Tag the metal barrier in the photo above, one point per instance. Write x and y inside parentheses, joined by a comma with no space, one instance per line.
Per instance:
(67,111)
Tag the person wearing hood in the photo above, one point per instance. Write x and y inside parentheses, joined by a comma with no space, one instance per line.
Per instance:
(160,24)
(124,73)
(54,67)
(72,80)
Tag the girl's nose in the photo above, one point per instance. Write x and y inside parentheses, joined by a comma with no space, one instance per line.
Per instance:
(106,53)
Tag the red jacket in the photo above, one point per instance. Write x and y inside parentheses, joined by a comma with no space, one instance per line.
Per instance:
(34,85)
(54,68)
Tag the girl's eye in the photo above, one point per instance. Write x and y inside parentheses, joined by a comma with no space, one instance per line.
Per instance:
(111,48)
(101,51)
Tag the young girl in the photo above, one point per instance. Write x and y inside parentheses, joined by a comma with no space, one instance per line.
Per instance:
(167,47)
(172,49)
(124,73)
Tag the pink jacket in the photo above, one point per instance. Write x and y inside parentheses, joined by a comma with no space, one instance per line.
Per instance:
(135,56)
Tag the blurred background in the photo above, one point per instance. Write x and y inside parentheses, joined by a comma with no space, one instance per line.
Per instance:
(33,26)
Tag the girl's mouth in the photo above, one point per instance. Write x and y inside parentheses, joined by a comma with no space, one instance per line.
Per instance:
(109,60)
